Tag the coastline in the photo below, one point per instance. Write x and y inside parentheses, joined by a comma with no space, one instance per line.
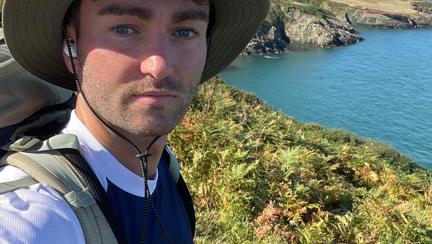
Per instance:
(332,23)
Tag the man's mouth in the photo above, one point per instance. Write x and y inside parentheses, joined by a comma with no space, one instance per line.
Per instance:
(154,97)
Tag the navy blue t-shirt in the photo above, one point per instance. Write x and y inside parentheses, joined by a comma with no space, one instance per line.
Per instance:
(5,134)
(168,204)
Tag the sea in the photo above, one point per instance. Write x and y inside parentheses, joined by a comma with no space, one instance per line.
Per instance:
(380,88)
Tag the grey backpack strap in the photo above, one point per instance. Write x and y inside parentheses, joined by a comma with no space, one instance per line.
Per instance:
(182,189)
(174,167)
(6,187)
(41,161)
(31,144)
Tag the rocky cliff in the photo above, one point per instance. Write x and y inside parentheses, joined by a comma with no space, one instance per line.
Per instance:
(271,37)
(285,27)
(376,18)
(414,15)
(321,31)
(328,23)
(425,7)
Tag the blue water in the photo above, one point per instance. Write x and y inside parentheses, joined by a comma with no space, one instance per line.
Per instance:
(380,88)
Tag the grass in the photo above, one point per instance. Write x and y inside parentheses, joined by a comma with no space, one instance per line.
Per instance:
(259,176)
(323,8)
(388,6)
(312,7)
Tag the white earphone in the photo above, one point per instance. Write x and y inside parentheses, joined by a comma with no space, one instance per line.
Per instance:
(73,50)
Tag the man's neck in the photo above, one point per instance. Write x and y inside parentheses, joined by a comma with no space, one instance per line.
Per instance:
(118,147)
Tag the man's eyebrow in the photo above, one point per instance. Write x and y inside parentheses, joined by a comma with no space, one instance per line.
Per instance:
(184,15)
(116,9)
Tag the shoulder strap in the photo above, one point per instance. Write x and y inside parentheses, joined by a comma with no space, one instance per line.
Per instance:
(173,165)
(6,187)
(58,163)
(86,174)
(42,162)
(174,169)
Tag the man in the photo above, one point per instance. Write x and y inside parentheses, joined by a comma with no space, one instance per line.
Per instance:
(136,65)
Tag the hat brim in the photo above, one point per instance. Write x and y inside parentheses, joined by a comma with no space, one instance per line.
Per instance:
(33,33)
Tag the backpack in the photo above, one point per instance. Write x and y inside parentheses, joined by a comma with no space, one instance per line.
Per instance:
(35,147)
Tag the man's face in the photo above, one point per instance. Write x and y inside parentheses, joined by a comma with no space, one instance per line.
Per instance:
(140,61)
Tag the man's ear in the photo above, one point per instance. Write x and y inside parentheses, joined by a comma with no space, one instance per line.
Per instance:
(69,46)
(69,49)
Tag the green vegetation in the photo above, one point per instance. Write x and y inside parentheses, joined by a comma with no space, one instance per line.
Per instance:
(259,176)
(312,7)
(424,4)
(324,8)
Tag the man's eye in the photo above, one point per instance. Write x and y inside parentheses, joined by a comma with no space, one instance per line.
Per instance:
(185,33)
(123,30)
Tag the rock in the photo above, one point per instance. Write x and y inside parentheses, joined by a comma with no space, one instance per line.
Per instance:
(291,26)
(383,19)
(423,20)
(421,7)
(270,38)
(375,18)
(326,31)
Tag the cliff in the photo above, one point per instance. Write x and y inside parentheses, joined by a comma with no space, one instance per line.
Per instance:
(258,176)
(383,13)
(329,23)
(294,25)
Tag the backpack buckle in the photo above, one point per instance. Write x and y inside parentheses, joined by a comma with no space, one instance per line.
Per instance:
(24,143)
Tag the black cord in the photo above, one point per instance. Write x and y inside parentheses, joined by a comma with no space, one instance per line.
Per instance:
(158,219)
(80,90)
(143,157)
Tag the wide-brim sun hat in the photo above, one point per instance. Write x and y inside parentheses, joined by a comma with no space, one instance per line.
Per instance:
(33,33)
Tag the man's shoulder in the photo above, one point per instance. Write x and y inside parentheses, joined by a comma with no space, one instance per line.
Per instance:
(35,214)
(10,173)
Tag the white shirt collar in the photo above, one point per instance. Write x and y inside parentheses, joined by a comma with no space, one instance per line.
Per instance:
(103,163)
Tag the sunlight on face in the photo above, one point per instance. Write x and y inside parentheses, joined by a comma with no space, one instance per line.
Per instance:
(141,61)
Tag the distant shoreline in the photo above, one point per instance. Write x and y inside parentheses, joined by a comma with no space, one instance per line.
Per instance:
(333,23)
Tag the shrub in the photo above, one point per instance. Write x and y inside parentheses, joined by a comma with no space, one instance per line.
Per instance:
(259,176)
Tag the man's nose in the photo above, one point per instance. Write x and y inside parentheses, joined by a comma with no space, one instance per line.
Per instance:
(158,60)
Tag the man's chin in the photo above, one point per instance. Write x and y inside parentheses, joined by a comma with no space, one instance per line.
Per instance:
(152,122)
(151,129)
